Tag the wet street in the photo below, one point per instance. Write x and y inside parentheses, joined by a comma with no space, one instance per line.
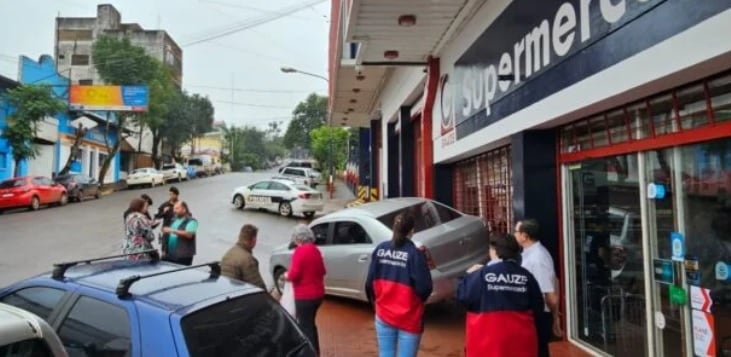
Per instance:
(30,242)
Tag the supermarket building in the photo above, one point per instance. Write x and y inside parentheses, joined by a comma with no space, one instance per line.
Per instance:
(609,121)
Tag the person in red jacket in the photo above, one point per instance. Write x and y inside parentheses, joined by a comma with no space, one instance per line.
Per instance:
(399,283)
(502,300)
(307,275)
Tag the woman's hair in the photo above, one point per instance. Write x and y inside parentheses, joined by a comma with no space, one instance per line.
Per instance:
(147,199)
(137,205)
(403,224)
(505,246)
(302,233)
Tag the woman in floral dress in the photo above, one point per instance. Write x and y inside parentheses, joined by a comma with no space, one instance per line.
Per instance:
(138,230)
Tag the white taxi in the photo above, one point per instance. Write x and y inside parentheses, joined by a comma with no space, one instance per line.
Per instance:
(147,176)
(279,195)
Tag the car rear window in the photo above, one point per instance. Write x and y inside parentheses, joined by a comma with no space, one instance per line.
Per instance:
(251,325)
(425,216)
(12,183)
(168,167)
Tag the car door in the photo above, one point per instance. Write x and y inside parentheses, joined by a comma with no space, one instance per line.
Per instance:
(278,192)
(257,197)
(91,188)
(44,191)
(97,327)
(322,234)
(349,256)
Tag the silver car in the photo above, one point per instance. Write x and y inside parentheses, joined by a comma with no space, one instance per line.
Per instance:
(452,240)
(24,334)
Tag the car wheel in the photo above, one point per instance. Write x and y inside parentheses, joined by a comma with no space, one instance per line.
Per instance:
(309,215)
(80,196)
(35,203)
(64,200)
(239,202)
(180,178)
(285,209)
(152,183)
(279,280)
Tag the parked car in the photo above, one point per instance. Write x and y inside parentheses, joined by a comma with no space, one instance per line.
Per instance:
(191,172)
(145,176)
(31,192)
(452,241)
(24,334)
(203,165)
(78,187)
(310,164)
(174,171)
(301,175)
(114,307)
(279,195)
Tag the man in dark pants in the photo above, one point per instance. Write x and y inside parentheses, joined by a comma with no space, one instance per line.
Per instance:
(180,236)
(167,214)
(537,260)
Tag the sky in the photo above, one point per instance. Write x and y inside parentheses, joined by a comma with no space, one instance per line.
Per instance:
(248,61)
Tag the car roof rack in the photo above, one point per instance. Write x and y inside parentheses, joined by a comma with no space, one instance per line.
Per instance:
(59,269)
(126,283)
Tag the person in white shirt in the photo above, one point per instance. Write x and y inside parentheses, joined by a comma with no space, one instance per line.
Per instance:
(537,260)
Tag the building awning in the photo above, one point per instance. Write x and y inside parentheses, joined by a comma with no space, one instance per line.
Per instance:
(376,35)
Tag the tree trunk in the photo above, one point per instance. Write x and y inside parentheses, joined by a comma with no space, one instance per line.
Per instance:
(156,140)
(16,170)
(80,133)
(108,160)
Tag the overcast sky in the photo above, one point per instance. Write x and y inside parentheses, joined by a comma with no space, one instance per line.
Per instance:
(248,61)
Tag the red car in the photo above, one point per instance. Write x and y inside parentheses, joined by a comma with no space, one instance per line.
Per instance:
(31,192)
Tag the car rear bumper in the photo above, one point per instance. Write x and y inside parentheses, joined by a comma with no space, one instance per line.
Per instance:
(311,207)
(17,200)
(133,182)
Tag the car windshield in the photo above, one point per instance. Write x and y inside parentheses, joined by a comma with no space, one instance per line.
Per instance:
(195,162)
(424,213)
(63,179)
(251,325)
(168,167)
(12,183)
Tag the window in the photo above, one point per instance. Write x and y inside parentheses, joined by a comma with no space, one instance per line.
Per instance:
(74,35)
(96,328)
(350,233)
(294,172)
(720,93)
(446,214)
(12,183)
(424,216)
(261,186)
(276,186)
(28,348)
(80,60)
(86,82)
(320,232)
(251,325)
(38,300)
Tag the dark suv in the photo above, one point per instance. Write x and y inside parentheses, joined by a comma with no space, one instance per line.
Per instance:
(79,186)
(114,307)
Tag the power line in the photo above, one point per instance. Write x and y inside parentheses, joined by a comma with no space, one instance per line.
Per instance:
(247,25)
(246,7)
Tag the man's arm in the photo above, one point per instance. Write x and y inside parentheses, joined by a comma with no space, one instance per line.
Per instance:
(189,232)
(553,302)
(250,273)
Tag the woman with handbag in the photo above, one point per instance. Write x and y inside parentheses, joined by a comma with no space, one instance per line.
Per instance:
(307,275)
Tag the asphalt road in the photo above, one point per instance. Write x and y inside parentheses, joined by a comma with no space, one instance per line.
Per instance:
(30,242)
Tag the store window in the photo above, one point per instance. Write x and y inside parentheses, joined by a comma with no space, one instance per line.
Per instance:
(609,298)
(720,93)
(483,187)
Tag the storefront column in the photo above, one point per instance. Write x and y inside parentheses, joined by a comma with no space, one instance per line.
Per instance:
(534,184)
(364,159)
(406,153)
(427,143)
(443,184)
(374,159)
(393,161)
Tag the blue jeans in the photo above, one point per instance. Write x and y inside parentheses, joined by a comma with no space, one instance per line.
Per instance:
(391,339)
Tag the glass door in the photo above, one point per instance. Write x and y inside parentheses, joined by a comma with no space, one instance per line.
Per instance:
(608,271)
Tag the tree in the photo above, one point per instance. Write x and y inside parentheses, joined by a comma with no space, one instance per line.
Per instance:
(79,134)
(119,62)
(307,116)
(321,140)
(32,104)
(163,95)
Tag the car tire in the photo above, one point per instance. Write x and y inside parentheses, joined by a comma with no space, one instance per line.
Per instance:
(180,178)
(279,280)
(80,196)
(239,202)
(35,203)
(309,215)
(285,209)
(64,200)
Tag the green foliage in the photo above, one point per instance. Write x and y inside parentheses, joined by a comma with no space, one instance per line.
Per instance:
(307,116)
(250,146)
(321,149)
(32,104)
(119,62)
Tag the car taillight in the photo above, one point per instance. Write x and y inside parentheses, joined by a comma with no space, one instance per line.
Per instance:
(305,195)
(429,260)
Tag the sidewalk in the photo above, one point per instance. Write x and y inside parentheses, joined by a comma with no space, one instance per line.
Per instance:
(341,197)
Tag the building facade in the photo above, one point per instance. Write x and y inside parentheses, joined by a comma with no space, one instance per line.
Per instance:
(6,157)
(608,121)
(75,37)
(56,135)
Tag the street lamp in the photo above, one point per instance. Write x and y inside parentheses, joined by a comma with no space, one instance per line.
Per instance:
(294,70)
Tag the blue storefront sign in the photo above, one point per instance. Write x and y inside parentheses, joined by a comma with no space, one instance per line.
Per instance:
(537,48)
(663,269)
